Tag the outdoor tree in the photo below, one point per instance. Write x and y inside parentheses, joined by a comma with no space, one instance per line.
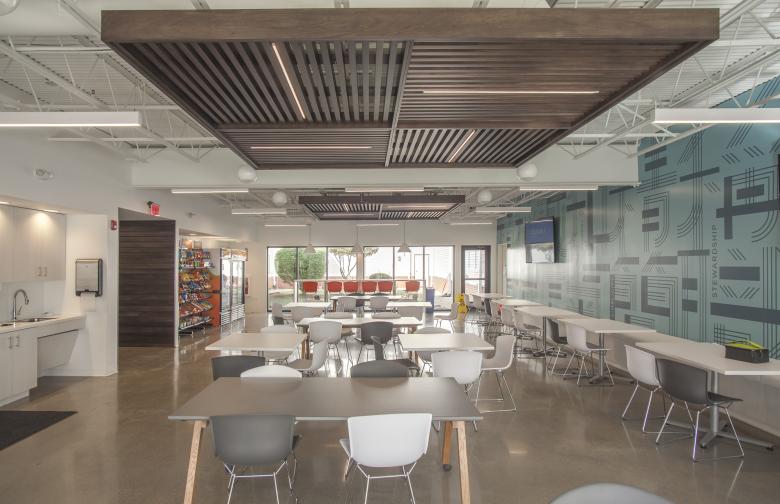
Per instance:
(347,261)
(311,266)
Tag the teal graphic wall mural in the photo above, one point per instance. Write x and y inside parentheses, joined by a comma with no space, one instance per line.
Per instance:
(693,251)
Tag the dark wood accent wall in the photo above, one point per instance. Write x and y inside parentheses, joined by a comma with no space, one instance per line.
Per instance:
(147,283)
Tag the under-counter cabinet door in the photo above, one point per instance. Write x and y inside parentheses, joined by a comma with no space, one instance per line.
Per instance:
(6,348)
(27,245)
(53,247)
(24,363)
(6,243)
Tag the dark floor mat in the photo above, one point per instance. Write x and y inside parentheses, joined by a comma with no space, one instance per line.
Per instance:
(18,425)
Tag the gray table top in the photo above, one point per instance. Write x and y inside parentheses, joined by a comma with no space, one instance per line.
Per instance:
(259,342)
(323,399)
(432,342)
(358,321)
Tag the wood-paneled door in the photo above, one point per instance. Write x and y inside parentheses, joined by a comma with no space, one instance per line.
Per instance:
(147,283)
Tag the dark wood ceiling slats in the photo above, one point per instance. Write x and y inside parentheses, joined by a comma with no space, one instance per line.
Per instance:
(356,69)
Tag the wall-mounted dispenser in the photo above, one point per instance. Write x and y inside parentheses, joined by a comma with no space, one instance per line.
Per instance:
(89,277)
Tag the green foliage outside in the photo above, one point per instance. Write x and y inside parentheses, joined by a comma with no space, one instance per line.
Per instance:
(312,266)
(379,276)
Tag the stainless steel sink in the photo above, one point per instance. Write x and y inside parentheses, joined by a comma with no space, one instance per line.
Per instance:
(36,319)
(7,324)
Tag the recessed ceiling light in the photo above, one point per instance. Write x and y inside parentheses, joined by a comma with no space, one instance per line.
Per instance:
(500,210)
(310,147)
(504,92)
(378,224)
(49,210)
(287,78)
(461,146)
(716,116)
(208,191)
(69,119)
(4,203)
(259,211)
(471,223)
(285,225)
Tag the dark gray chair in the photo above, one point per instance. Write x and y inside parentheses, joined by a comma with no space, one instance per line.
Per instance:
(688,384)
(379,369)
(599,493)
(552,329)
(244,441)
(379,354)
(231,366)
(380,329)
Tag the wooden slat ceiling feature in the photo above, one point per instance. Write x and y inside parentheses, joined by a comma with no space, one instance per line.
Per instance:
(427,77)
(315,147)
(381,207)
(486,147)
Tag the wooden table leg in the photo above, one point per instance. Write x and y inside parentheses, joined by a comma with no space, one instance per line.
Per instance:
(446,446)
(197,433)
(463,461)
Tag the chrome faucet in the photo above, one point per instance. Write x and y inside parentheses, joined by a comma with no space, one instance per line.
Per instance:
(15,313)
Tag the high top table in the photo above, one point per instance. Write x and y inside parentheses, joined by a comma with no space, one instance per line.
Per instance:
(712,358)
(333,399)
(545,313)
(601,327)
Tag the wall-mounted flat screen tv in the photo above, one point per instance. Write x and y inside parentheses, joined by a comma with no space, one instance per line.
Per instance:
(540,241)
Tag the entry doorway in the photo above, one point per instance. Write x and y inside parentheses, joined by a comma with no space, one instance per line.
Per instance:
(475,269)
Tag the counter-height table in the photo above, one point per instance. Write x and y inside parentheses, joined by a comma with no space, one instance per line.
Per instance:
(545,313)
(259,342)
(711,357)
(333,399)
(600,327)
(308,304)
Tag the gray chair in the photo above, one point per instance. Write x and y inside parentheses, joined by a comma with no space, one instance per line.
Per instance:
(379,328)
(379,354)
(688,384)
(245,441)
(379,369)
(231,366)
(600,493)
(379,303)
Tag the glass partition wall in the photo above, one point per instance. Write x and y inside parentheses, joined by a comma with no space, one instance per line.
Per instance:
(337,269)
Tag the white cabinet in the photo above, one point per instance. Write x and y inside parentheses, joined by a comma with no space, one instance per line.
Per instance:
(38,245)
(6,243)
(18,364)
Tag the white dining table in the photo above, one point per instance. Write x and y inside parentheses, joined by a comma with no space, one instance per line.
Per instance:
(259,342)
(440,342)
(711,357)
(600,327)
(517,302)
(415,304)
(308,304)
(544,313)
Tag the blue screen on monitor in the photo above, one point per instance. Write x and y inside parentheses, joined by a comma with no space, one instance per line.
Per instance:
(540,241)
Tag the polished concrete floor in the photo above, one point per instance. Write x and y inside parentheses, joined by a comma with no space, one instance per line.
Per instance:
(120,447)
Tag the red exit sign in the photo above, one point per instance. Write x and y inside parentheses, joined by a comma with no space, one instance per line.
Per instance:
(154,208)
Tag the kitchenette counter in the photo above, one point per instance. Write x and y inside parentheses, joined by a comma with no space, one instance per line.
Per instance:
(45,323)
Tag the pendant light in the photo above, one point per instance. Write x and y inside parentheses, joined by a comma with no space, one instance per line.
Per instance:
(309,248)
(404,248)
(357,248)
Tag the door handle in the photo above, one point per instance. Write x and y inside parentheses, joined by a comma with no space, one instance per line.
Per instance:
(17,342)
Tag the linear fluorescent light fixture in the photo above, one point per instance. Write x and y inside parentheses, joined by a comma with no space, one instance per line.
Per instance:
(379,224)
(472,223)
(505,92)
(580,188)
(502,210)
(209,191)
(461,145)
(716,116)
(287,78)
(379,189)
(70,119)
(310,147)
(285,225)
(259,211)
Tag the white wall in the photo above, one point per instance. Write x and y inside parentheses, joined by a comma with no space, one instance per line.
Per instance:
(342,233)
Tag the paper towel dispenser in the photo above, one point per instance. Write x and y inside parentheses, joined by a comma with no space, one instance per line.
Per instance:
(89,276)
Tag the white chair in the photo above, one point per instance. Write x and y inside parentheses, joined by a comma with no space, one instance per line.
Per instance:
(641,367)
(346,304)
(508,319)
(425,357)
(501,361)
(272,372)
(449,317)
(279,316)
(379,303)
(403,441)
(309,367)
(578,342)
(327,332)
(463,366)
(301,312)
(336,315)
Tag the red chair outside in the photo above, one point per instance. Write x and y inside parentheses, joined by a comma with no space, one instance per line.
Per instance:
(350,287)
(369,286)
(412,286)
(385,286)
(309,287)
(334,287)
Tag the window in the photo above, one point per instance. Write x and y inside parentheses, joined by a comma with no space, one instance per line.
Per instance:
(475,269)
(378,263)
(438,274)
(282,273)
